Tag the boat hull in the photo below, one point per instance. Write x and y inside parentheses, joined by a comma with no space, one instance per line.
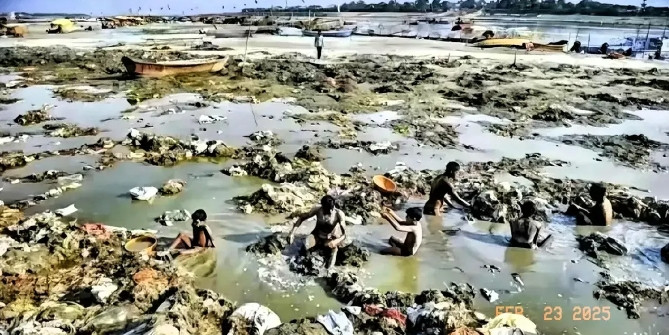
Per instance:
(328,33)
(241,33)
(145,69)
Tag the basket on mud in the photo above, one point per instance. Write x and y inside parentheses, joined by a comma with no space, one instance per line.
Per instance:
(139,244)
(384,184)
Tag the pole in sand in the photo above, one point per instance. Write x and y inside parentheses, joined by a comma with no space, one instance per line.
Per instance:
(246,48)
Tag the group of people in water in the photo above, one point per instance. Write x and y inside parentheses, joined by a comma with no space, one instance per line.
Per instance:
(329,232)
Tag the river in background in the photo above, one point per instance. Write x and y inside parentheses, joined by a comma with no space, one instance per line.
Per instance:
(589,30)
(453,248)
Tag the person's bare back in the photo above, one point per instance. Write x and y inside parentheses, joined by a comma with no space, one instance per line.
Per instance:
(411,226)
(601,213)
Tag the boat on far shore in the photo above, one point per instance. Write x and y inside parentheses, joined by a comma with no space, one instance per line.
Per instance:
(159,69)
(328,33)
(231,33)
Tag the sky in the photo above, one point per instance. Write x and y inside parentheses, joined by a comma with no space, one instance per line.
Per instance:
(107,7)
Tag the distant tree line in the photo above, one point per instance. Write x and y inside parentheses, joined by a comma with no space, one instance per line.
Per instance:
(585,7)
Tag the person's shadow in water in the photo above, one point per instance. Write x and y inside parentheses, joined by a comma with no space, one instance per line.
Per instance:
(494,239)
(246,238)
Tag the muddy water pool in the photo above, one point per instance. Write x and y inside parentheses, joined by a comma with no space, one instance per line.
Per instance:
(453,249)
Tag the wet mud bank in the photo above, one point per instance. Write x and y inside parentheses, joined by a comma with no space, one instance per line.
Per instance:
(88,281)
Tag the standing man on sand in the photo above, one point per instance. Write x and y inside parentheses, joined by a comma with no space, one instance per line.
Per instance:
(318,43)
(442,191)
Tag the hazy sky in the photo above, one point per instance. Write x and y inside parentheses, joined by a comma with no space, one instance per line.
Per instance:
(178,6)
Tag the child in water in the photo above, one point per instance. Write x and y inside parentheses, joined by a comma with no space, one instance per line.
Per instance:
(525,231)
(411,226)
(201,235)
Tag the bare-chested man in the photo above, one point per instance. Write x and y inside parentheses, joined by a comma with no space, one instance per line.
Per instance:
(329,232)
(525,231)
(600,214)
(411,226)
(442,191)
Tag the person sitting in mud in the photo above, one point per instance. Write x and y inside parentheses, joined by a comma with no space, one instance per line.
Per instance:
(525,231)
(411,226)
(329,232)
(600,214)
(442,191)
(201,235)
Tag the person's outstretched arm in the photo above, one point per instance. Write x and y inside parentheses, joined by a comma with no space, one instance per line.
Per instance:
(451,192)
(395,223)
(302,218)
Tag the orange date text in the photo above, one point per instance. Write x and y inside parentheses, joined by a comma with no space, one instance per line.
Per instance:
(578,313)
(557,313)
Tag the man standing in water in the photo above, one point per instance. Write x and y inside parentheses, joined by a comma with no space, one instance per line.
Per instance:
(318,43)
(525,231)
(329,232)
(441,187)
(411,226)
(201,235)
(600,214)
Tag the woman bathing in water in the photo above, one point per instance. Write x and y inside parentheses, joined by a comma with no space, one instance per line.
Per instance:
(329,232)
(201,235)
(411,226)
(442,191)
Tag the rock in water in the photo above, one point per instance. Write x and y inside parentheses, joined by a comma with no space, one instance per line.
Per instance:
(629,294)
(664,252)
(269,245)
(178,215)
(172,186)
(352,255)
(489,295)
(597,241)
(310,154)
(257,317)
(143,193)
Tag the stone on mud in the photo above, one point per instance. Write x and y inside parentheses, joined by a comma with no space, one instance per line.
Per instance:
(628,294)
(278,199)
(66,130)
(33,117)
(313,263)
(299,327)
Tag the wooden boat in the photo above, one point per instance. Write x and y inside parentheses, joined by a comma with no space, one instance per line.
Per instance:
(548,47)
(503,42)
(235,33)
(289,31)
(160,69)
(328,33)
(61,26)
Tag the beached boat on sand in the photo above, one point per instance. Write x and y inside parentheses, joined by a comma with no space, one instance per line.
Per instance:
(328,33)
(503,42)
(548,47)
(159,69)
(231,33)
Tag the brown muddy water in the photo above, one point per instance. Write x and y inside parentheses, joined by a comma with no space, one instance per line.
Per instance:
(453,248)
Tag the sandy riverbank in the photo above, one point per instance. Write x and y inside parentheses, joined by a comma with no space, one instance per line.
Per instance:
(581,115)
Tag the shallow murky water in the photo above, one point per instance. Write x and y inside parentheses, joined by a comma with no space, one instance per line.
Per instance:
(453,249)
